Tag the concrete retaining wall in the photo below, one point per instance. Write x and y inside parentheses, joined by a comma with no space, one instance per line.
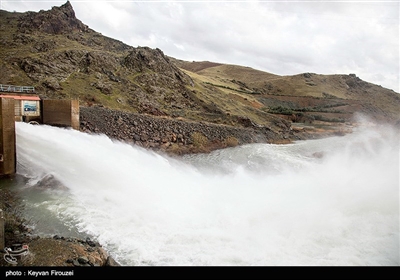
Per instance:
(8,161)
(63,113)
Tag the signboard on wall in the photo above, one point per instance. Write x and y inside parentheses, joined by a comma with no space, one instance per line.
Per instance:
(30,108)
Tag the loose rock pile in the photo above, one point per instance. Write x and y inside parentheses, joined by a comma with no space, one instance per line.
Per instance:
(169,135)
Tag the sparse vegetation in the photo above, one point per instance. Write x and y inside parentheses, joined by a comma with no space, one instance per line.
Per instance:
(325,119)
(280,110)
(199,140)
(231,141)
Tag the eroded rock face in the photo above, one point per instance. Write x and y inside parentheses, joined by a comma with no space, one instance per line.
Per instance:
(144,58)
(55,65)
(58,20)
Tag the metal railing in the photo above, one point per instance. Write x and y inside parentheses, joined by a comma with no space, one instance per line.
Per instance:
(12,88)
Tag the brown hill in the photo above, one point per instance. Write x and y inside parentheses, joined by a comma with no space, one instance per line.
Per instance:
(303,97)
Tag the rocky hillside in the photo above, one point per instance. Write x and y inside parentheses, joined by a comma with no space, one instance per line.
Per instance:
(65,59)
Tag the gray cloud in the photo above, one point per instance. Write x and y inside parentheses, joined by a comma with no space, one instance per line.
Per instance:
(284,38)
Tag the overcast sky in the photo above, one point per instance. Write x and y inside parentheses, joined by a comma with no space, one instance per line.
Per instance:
(280,37)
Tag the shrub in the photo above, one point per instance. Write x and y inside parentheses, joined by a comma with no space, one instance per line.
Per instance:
(231,141)
(199,140)
(280,110)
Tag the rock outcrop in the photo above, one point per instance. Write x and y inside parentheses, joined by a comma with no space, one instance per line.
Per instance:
(59,20)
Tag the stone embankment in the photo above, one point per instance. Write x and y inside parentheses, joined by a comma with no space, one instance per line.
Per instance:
(172,136)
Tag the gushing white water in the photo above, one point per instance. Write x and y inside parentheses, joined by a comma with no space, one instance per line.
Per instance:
(257,204)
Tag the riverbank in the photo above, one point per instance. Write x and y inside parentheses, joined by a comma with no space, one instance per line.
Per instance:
(178,136)
(45,250)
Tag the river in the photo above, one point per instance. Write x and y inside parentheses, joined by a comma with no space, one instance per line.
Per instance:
(324,202)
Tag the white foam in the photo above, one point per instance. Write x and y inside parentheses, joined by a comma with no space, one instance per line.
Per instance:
(257,204)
